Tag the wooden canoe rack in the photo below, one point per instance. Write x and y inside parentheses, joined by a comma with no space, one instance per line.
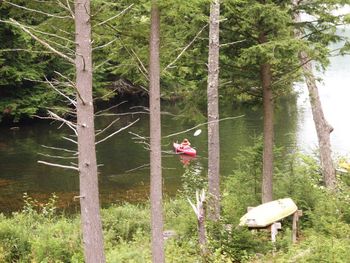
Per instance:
(273,228)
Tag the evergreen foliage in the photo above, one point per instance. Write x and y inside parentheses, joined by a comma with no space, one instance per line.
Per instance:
(24,63)
(120,49)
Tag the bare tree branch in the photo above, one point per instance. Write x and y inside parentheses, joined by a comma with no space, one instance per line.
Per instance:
(59,149)
(25,50)
(184,49)
(143,69)
(66,7)
(105,95)
(113,17)
(137,136)
(68,51)
(121,114)
(115,106)
(63,31)
(142,107)
(60,165)
(40,40)
(107,44)
(138,168)
(70,124)
(141,140)
(73,102)
(233,43)
(287,74)
(62,109)
(58,157)
(200,200)
(116,132)
(107,127)
(69,139)
(72,84)
(146,145)
(201,124)
(102,63)
(49,34)
(51,117)
(36,11)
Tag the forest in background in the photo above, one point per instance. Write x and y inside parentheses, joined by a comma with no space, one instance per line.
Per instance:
(120,50)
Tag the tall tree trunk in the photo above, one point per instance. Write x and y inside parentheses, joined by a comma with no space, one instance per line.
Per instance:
(267,178)
(89,196)
(323,129)
(155,139)
(213,113)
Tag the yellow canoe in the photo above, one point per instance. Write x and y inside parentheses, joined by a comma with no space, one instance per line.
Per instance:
(345,165)
(268,213)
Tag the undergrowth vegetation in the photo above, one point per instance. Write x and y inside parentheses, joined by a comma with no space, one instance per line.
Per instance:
(39,234)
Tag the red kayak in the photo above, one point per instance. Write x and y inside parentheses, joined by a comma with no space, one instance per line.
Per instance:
(184,149)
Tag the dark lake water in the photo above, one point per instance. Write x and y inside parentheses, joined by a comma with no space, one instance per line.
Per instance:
(124,175)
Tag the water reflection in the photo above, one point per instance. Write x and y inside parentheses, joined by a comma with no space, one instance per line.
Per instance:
(334,93)
(124,175)
(186,159)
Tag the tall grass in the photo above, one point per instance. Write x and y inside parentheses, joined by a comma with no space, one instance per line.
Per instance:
(39,234)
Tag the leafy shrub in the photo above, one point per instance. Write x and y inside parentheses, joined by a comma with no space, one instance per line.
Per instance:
(240,243)
(243,187)
(14,243)
(58,241)
(179,251)
(180,217)
(38,235)
(136,251)
(192,180)
(316,247)
(121,223)
(34,209)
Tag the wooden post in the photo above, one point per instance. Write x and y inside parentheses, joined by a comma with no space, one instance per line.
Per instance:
(274,230)
(295,233)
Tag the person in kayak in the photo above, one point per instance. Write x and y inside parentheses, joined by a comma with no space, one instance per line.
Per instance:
(185,143)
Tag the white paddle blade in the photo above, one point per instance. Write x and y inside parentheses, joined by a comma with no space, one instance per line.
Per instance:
(197,132)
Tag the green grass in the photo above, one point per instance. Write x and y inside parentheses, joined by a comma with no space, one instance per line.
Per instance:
(39,234)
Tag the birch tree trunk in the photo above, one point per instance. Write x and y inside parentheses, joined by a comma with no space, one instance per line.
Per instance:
(89,196)
(155,139)
(213,113)
(267,178)
(323,129)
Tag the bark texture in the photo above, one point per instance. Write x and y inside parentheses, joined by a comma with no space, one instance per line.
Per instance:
(202,237)
(268,104)
(323,128)
(155,139)
(89,196)
(213,114)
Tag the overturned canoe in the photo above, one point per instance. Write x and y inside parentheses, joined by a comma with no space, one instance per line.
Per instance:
(345,165)
(268,213)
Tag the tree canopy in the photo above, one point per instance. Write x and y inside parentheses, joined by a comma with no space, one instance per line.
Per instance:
(120,48)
